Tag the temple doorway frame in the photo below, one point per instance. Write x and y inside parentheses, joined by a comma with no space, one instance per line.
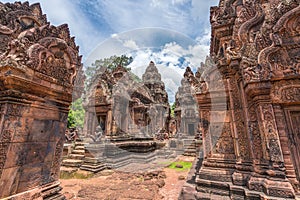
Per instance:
(294,136)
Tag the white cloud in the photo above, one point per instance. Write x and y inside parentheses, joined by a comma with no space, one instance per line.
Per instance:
(186,16)
(200,9)
(92,21)
(115,35)
(180,1)
(194,54)
(171,61)
(130,44)
(171,74)
(127,43)
(155,3)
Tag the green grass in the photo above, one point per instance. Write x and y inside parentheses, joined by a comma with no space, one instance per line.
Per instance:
(74,175)
(186,165)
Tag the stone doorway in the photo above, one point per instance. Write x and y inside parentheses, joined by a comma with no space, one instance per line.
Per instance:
(293,117)
(191,129)
(102,122)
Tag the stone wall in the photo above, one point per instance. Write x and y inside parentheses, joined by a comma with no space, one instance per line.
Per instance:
(38,67)
(255,46)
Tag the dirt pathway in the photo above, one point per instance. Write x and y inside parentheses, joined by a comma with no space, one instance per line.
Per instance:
(173,184)
(163,184)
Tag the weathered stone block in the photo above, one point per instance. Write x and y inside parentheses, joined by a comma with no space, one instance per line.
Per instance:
(37,77)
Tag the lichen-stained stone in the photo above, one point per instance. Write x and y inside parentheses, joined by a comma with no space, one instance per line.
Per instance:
(40,70)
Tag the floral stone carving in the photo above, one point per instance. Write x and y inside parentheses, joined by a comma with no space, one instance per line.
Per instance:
(39,70)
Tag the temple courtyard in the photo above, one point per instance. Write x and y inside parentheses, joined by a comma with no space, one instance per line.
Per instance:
(158,182)
(232,131)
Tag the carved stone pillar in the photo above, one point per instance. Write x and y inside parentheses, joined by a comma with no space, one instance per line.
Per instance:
(218,143)
(38,66)
(90,121)
(238,121)
(204,124)
(85,126)
(270,172)
(109,123)
(256,47)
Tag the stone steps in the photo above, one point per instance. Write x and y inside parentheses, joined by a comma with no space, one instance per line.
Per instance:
(77,147)
(190,149)
(72,163)
(68,170)
(93,160)
(76,151)
(93,165)
(93,168)
(80,143)
(55,197)
(76,156)
(52,192)
(190,154)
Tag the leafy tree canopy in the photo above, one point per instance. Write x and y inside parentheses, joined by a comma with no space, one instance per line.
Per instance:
(76,114)
(113,62)
(97,68)
(173,110)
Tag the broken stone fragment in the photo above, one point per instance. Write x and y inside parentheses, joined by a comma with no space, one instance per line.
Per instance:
(178,166)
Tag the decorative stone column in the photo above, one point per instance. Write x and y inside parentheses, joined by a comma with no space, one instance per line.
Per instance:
(256,46)
(237,108)
(38,67)
(108,123)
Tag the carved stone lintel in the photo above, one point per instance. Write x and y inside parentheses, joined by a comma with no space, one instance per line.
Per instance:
(286,91)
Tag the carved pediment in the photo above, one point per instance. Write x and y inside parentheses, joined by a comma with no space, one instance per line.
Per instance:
(282,57)
(28,40)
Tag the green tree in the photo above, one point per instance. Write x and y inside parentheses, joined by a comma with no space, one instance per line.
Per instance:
(76,114)
(71,119)
(173,110)
(110,63)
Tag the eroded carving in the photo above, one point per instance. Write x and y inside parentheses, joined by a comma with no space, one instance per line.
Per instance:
(255,45)
(39,64)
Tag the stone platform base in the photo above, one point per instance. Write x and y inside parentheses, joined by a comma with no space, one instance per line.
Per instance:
(48,192)
(121,153)
(211,190)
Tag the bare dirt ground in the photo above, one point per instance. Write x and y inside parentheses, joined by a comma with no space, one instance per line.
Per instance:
(163,183)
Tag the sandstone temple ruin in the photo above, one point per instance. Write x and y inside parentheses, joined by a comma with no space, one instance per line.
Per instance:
(243,102)
(128,121)
(256,48)
(38,66)
(122,106)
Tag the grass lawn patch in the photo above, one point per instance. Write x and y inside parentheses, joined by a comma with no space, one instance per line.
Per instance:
(185,165)
(75,175)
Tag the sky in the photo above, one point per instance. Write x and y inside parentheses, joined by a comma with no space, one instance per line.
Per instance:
(172,33)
